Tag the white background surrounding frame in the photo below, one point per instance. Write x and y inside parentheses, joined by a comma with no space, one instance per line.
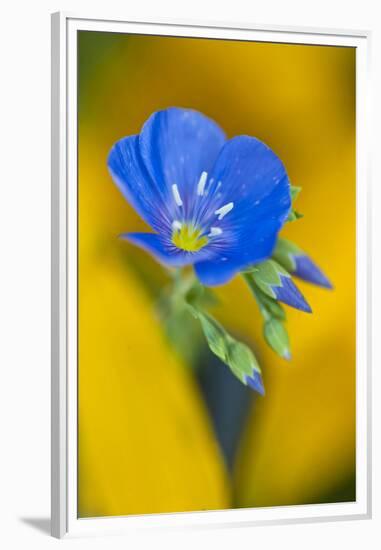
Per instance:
(64,511)
(25,280)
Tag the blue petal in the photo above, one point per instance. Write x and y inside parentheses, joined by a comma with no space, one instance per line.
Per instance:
(250,183)
(289,294)
(250,175)
(162,249)
(131,176)
(220,269)
(307,270)
(255,382)
(177,145)
(216,272)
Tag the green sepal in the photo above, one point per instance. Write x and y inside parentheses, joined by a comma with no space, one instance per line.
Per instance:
(294,215)
(272,306)
(267,306)
(284,254)
(294,190)
(274,331)
(276,336)
(266,275)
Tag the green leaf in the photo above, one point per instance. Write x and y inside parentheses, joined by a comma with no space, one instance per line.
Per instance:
(266,275)
(277,337)
(236,355)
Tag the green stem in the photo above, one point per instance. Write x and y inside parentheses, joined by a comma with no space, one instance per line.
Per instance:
(256,293)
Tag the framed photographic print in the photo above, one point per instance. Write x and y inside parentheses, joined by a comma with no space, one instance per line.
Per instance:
(211,281)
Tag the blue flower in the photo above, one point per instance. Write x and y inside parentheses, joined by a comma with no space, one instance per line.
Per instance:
(213,203)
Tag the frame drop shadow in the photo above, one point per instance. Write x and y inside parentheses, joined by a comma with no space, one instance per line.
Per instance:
(40,524)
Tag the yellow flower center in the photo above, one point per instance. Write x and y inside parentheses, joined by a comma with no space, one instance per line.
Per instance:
(189,238)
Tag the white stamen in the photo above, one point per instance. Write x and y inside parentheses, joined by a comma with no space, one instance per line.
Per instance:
(176,225)
(201,183)
(214,231)
(176,195)
(221,212)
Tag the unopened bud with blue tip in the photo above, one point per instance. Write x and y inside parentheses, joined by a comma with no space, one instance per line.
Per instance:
(298,263)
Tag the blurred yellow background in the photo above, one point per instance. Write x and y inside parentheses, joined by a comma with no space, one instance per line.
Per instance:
(146,440)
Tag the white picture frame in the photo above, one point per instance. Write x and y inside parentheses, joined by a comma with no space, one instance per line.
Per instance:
(64,276)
